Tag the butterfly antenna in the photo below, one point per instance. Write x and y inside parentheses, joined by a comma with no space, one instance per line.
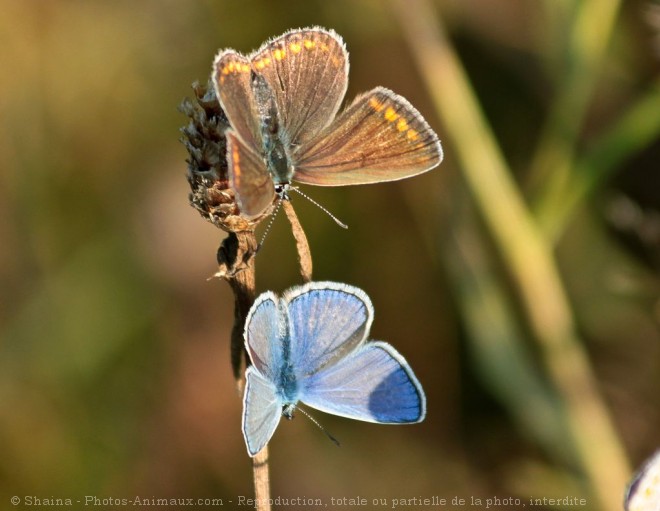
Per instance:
(270,223)
(333,439)
(337,221)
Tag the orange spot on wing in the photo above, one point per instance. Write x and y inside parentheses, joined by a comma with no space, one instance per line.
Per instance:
(295,47)
(279,54)
(236,165)
(309,44)
(412,135)
(262,63)
(375,104)
(390,114)
(402,125)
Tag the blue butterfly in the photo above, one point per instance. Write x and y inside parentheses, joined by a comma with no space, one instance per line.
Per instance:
(311,346)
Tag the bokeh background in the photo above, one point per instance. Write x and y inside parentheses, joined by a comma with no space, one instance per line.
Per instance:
(519,279)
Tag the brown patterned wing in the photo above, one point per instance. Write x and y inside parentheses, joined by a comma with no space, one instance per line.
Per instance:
(248,177)
(379,137)
(307,71)
(231,77)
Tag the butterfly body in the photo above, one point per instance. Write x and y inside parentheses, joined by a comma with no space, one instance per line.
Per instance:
(309,346)
(274,139)
(282,102)
(288,388)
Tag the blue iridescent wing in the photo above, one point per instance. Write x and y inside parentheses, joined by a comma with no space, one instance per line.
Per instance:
(264,328)
(262,410)
(326,322)
(373,384)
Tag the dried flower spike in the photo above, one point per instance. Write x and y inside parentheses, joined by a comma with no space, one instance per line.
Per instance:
(204,138)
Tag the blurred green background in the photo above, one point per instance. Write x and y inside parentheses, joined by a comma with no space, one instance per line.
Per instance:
(115,378)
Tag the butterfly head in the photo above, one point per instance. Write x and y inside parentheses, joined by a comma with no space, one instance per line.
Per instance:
(288,410)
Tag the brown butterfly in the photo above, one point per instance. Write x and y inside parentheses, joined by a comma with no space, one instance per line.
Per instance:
(282,102)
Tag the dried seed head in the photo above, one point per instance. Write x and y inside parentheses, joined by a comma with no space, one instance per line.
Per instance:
(204,138)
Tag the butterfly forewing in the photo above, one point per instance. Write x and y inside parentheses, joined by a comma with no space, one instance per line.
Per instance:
(373,384)
(231,76)
(307,71)
(263,335)
(379,137)
(249,179)
(326,322)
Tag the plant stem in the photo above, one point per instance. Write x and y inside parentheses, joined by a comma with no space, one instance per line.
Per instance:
(236,266)
(304,254)
(261,480)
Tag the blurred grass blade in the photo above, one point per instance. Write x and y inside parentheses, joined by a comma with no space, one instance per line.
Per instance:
(497,342)
(590,31)
(637,128)
(523,250)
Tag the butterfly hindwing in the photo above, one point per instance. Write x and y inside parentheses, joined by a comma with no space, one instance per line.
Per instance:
(379,137)
(262,411)
(251,182)
(373,384)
